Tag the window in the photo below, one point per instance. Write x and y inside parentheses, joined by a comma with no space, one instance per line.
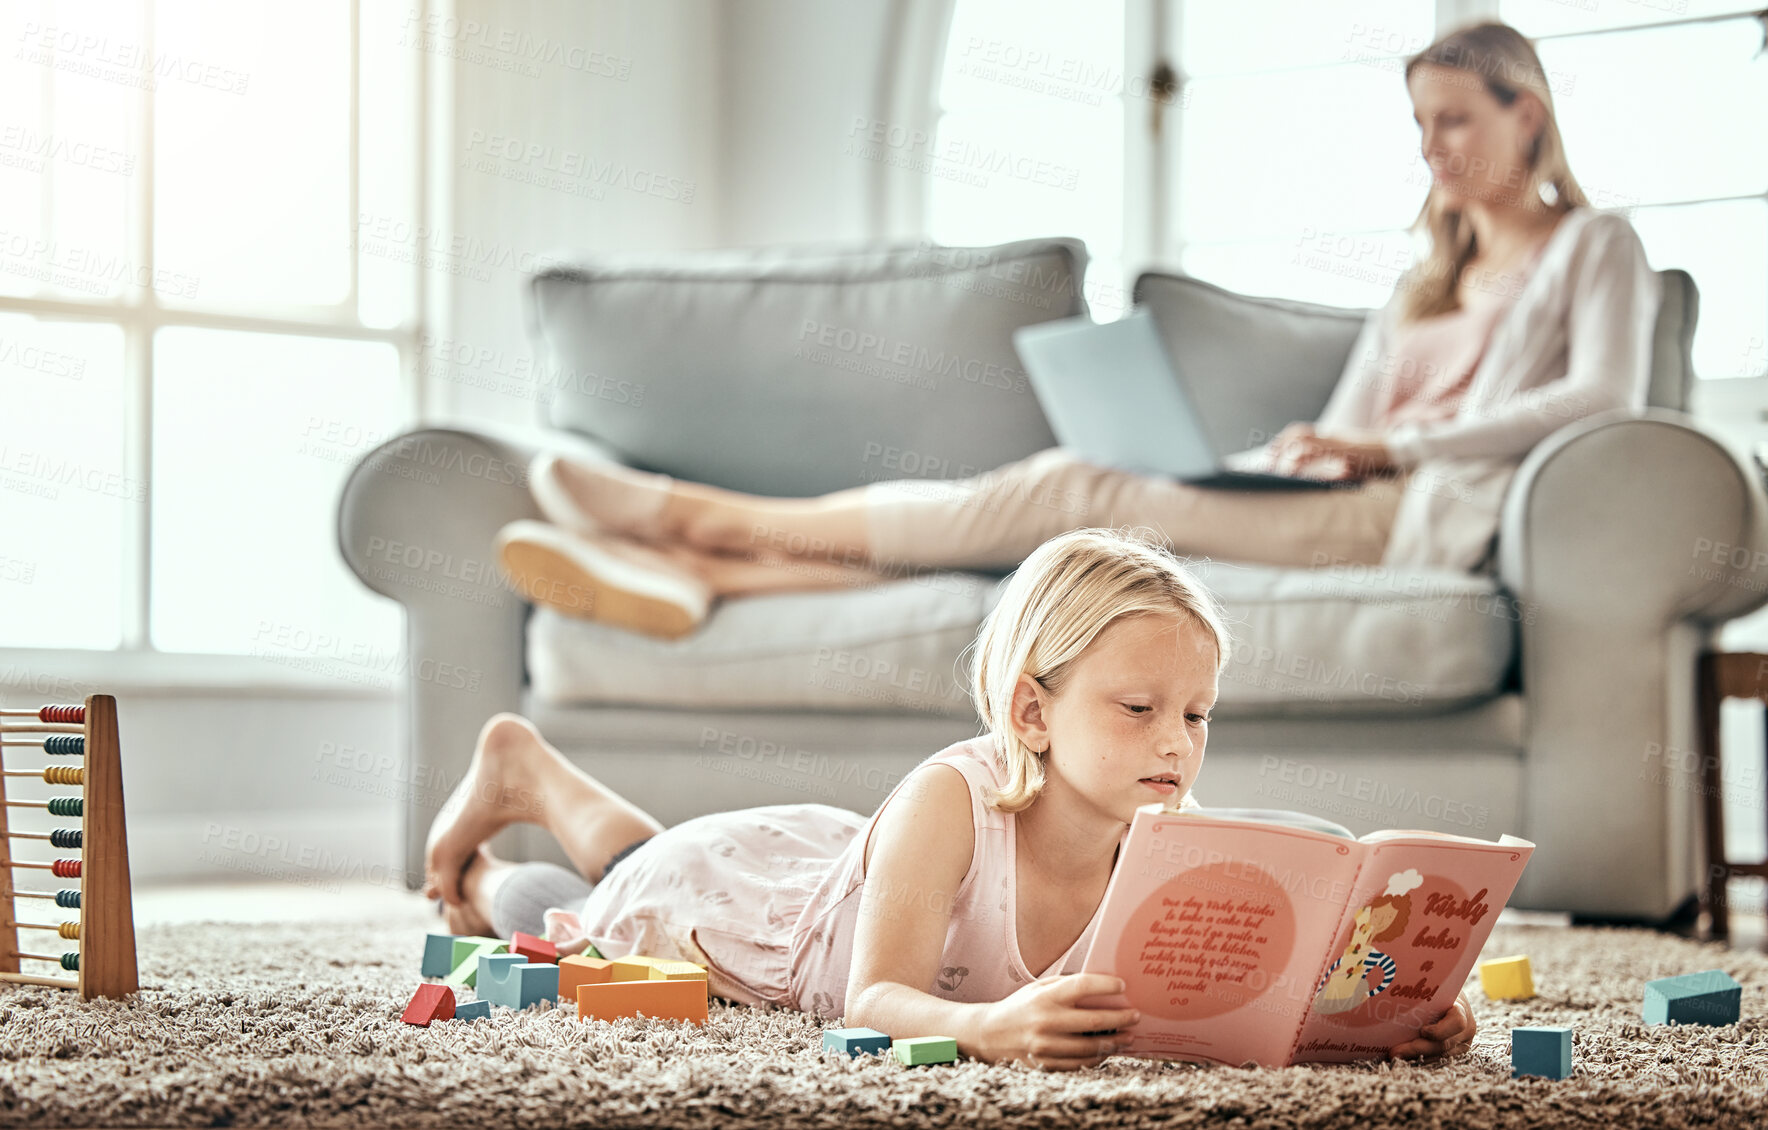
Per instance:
(194,345)
(1030,134)
(1315,207)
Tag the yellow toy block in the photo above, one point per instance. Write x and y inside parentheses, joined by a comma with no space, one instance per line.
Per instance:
(578,970)
(1507,978)
(630,969)
(677,971)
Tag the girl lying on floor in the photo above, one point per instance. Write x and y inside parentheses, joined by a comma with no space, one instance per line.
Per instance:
(964,905)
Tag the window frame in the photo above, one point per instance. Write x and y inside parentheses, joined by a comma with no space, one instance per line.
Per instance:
(139,315)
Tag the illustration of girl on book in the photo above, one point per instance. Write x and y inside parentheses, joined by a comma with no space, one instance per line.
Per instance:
(1346,983)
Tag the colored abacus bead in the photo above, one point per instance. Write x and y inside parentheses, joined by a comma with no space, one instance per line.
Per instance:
(64,774)
(66,806)
(65,837)
(70,929)
(62,714)
(65,745)
(68,899)
(66,868)
(70,961)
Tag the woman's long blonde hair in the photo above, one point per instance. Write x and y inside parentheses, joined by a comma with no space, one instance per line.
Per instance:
(1505,64)
(1064,594)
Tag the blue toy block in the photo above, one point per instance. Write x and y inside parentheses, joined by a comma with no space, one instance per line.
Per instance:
(478,1010)
(438,955)
(1710,997)
(1541,1051)
(856,1041)
(513,981)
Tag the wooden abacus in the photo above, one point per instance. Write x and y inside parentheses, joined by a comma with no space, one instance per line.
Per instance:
(105,927)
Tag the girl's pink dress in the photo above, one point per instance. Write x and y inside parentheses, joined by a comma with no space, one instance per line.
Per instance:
(767,899)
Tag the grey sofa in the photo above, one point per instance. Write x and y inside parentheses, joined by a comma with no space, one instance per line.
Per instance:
(1551,699)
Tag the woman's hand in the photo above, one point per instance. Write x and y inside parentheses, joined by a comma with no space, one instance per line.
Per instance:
(1362,453)
(1450,1035)
(1041,1024)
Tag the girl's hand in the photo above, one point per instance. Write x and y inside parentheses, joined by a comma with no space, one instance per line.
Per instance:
(1041,1024)
(1450,1035)
(1360,453)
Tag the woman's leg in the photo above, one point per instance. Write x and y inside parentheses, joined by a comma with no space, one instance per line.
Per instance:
(517,777)
(992,520)
(659,508)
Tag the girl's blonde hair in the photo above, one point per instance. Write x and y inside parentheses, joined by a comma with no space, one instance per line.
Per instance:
(1063,595)
(1506,64)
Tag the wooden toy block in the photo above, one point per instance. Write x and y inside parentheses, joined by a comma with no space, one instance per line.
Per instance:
(575,970)
(513,981)
(677,971)
(634,967)
(856,1041)
(925,1049)
(1709,997)
(1507,978)
(467,952)
(669,1000)
(475,1010)
(429,1004)
(533,948)
(1541,1051)
(438,954)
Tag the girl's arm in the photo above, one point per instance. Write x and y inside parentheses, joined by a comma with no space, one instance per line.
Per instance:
(923,844)
(921,850)
(1610,323)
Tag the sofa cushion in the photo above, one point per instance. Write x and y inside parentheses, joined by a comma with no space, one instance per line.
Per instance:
(801,372)
(1305,642)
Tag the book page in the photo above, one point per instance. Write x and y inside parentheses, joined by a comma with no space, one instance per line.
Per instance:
(1219,927)
(1422,908)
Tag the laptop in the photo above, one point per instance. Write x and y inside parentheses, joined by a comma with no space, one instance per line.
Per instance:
(1112,397)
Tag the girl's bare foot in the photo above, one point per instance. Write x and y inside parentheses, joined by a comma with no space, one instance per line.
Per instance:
(501,787)
(516,776)
(483,874)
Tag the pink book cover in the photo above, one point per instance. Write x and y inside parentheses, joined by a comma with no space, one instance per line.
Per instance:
(1246,940)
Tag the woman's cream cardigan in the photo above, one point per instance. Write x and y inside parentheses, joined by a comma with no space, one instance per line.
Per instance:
(1576,341)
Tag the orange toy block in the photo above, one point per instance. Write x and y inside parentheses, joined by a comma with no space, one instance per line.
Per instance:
(429,1004)
(575,970)
(533,948)
(668,1000)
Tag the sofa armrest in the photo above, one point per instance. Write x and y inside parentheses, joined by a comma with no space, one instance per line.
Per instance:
(1619,539)
(416,522)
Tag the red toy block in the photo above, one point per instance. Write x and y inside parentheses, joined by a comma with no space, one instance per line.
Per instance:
(430,1003)
(533,948)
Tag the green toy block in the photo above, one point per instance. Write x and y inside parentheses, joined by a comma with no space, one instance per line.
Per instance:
(856,1041)
(438,954)
(476,1010)
(1541,1051)
(925,1049)
(1709,997)
(511,980)
(466,958)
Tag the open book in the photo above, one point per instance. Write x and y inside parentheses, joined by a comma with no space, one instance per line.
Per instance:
(1260,936)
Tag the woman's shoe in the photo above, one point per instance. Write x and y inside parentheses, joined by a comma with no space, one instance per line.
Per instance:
(634,511)
(603,577)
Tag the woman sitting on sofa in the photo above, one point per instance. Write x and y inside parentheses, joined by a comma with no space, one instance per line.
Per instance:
(1530,310)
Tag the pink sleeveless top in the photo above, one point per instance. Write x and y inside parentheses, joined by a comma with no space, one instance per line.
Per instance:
(1432,361)
(981,961)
